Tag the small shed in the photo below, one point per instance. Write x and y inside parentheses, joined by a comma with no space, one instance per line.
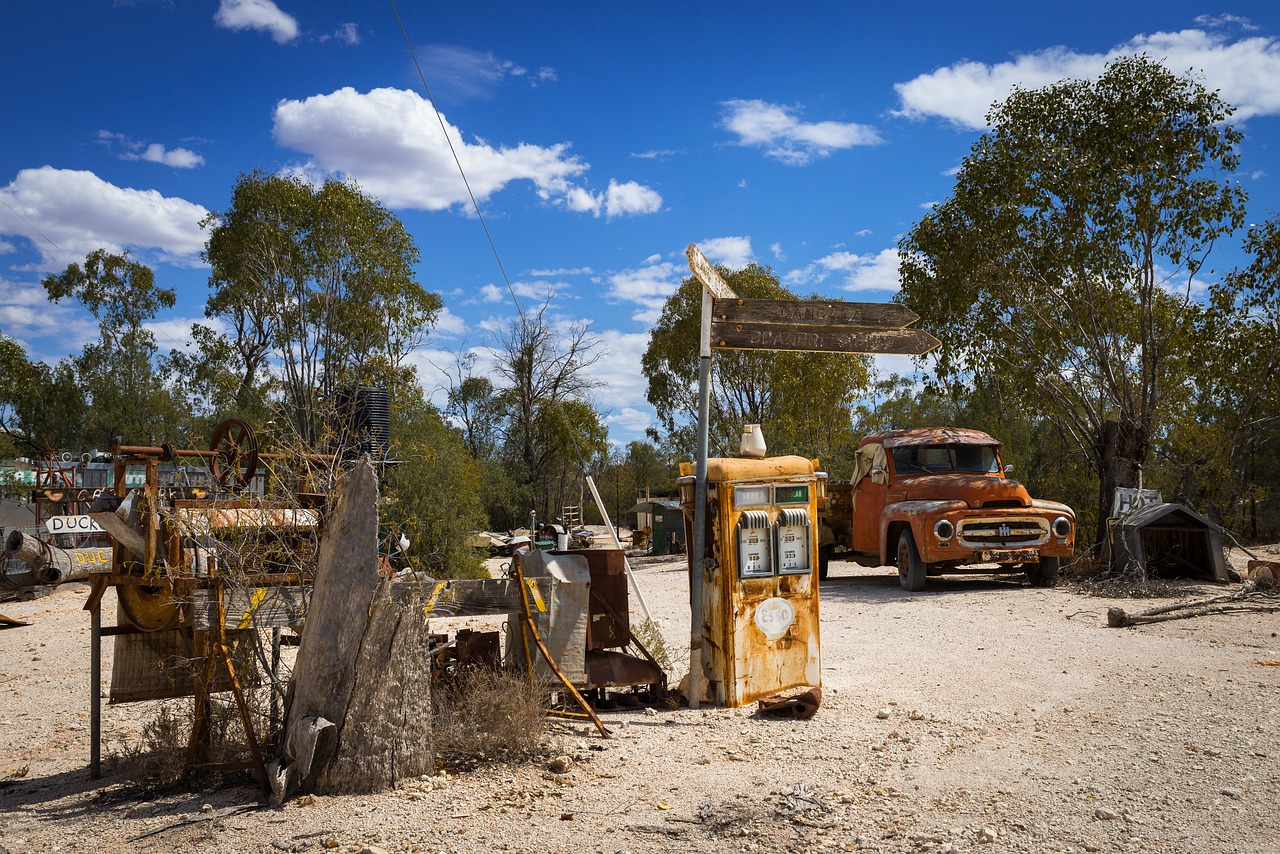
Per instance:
(665,521)
(1168,541)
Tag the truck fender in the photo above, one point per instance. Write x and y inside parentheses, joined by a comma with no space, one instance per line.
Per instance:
(909,514)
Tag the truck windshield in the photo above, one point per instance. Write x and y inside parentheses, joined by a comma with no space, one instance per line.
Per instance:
(910,459)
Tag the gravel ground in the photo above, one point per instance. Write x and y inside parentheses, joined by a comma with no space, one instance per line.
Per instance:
(980,714)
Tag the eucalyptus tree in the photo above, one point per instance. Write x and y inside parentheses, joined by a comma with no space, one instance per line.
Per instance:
(1065,259)
(803,401)
(317,288)
(117,375)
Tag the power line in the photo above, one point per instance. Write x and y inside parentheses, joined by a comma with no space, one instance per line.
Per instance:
(456,161)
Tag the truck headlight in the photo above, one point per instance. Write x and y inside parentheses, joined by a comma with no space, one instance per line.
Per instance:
(1062,527)
(944,530)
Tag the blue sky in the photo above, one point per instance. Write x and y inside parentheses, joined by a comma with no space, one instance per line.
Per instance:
(599,138)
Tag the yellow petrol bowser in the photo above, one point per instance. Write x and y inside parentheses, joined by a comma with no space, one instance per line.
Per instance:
(760,583)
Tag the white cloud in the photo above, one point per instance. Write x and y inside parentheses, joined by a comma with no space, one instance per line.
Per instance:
(621,383)
(538,291)
(178,158)
(257,15)
(733,252)
(778,254)
(464,74)
(27,315)
(449,324)
(775,128)
(630,423)
(1243,71)
(390,140)
(348,34)
(658,154)
(854,272)
(174,333)
(562,271)
(617,200)
(648,286)
(77,212)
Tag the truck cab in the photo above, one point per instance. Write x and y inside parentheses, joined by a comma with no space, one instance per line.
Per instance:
(933,500)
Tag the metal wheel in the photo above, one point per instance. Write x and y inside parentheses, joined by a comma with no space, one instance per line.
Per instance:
(911,569)
(149,607)
(236,460)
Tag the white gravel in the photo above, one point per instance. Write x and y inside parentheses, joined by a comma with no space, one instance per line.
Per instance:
(978,715)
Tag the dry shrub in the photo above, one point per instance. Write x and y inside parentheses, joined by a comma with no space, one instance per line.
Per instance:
(649,634)
(488,714)
(159,754)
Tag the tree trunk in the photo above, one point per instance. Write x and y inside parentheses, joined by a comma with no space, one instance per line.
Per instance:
(359,718)
(1120,450)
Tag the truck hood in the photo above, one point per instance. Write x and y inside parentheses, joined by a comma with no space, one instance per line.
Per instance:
(974,489)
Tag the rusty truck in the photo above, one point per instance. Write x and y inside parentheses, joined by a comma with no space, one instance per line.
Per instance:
(936,500)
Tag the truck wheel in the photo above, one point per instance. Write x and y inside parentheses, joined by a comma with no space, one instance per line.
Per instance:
(1046,573)
(824,561)
(911,571)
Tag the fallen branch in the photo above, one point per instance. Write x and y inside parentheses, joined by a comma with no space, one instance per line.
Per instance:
(1236,603)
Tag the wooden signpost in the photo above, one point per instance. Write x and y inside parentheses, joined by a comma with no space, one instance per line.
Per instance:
(730,322)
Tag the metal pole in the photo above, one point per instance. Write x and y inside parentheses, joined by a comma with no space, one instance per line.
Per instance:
(95,694)
(697,554)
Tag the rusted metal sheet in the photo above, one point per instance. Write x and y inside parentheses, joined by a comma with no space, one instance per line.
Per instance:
(931,436)
(761,634)
(801,706)
(213,519)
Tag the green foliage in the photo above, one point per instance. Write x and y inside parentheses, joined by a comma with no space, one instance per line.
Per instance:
(39,404)
(803,401)
(433,496)
(1062,263)
(117,376)
(317,287)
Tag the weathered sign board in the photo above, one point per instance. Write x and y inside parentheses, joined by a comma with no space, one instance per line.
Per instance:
(816,326)
(72,525)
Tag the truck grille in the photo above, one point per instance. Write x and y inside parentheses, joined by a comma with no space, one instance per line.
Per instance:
(1002,533)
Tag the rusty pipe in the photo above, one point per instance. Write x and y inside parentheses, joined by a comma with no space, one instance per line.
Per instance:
(167,453)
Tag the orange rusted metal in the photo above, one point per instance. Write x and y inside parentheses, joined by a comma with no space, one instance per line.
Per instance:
(945,490)
(760,595)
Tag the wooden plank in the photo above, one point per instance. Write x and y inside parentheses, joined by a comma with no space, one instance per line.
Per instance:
(252,607)
(707,274)
(469,597)
(821,339)
(812,312)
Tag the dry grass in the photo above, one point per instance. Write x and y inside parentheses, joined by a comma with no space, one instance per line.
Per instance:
(488,715)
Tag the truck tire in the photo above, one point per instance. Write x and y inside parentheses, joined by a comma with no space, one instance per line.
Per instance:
(1046,573)
(824,561)
(911,569)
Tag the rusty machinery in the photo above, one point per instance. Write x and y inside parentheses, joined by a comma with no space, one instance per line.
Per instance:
(200,566)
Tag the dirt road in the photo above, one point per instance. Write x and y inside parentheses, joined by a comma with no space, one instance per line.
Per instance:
(979,714)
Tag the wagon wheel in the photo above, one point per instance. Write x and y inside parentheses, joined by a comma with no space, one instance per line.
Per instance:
(235,448)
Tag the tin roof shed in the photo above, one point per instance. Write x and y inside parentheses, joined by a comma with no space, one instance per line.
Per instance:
(1168,541)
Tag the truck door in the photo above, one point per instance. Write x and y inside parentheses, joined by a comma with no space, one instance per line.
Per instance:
(869,497)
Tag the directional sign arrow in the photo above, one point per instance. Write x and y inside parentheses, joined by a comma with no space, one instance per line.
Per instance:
(820,339)
(707,274)
(791,312)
